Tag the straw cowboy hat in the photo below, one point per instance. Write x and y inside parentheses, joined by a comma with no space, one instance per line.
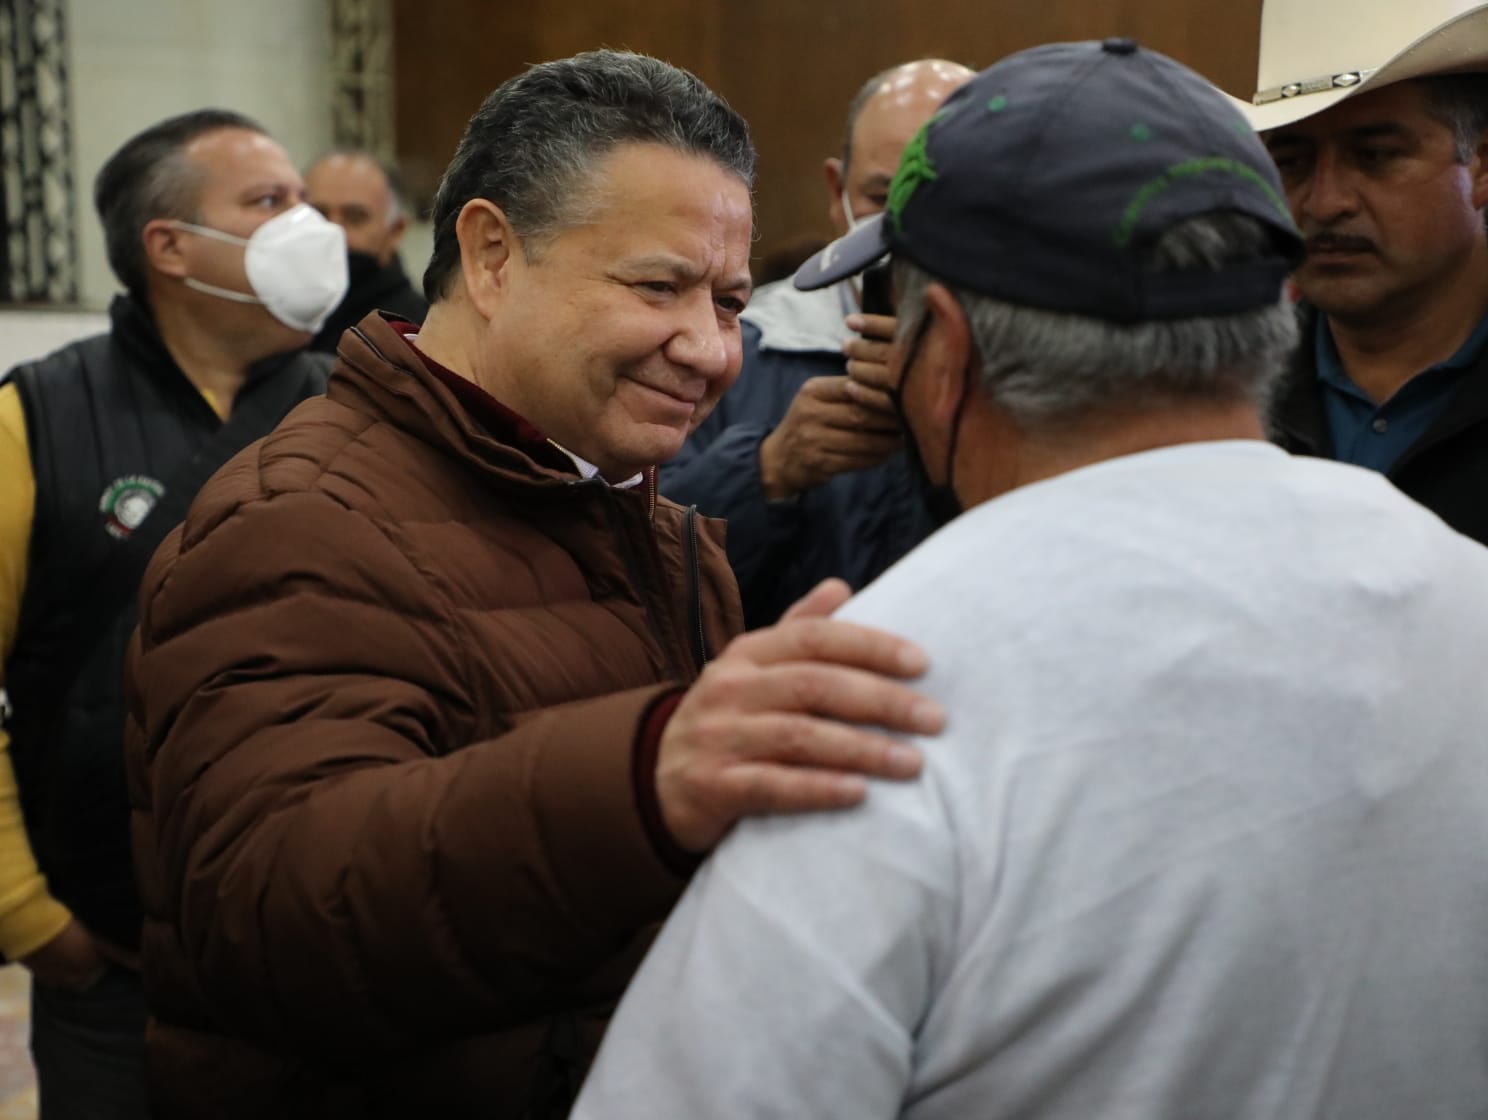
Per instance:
(1316,53)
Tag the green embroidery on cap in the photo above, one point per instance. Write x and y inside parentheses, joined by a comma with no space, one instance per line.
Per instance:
(914,168)
(997,104)
(1144,197)
(1140,132)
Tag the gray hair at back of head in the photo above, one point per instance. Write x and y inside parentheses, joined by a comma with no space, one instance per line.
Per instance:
(1046,368)
(533,142)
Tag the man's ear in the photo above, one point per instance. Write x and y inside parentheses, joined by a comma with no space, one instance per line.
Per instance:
(396,232)
(949,354)
(1478,168)
(488,246)
(165,247)
(832,169)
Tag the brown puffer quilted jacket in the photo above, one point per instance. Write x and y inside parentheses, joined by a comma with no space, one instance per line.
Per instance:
(385,696)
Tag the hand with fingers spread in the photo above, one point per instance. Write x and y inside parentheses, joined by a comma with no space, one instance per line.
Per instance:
(791,718)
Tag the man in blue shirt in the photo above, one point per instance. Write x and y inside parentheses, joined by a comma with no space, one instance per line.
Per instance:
(1385,163)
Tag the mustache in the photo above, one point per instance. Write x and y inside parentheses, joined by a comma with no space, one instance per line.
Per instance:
(1339,243)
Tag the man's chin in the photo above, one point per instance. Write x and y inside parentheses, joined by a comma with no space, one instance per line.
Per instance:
(1340,296)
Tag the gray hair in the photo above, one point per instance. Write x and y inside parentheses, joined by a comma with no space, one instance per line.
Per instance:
(536,139)
(150,177)
(1045,368)
(1459,101)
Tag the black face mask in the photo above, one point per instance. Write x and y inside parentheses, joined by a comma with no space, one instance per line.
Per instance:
(939,497)
(360,265)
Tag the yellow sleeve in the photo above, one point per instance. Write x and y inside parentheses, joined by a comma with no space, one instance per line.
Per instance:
(29,917)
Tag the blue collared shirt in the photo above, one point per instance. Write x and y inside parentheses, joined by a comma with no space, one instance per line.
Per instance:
(1376,435)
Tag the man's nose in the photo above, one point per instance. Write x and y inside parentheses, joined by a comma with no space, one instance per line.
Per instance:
(699,343)
(1329,193)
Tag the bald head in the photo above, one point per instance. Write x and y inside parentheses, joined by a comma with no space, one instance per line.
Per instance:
(354,190)
(884,116)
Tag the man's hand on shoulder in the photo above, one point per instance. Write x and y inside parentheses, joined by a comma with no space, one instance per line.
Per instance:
(789,719)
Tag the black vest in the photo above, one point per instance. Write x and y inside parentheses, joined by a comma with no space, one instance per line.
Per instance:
(111,421)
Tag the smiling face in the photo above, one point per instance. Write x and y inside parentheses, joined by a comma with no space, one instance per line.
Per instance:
(1392,218)
(618,335)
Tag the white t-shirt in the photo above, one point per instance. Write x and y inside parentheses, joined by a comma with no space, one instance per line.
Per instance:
(1206,835)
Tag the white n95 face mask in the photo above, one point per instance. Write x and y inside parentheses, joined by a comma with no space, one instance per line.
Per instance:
(296,266)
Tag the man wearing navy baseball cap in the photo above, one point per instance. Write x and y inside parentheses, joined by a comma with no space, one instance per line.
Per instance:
(1202,837)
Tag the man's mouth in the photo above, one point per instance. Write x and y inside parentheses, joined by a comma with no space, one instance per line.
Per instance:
(1334,245)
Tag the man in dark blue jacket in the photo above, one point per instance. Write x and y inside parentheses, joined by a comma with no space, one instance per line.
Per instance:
(803,456)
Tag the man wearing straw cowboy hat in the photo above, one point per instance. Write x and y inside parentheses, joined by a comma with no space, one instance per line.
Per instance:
(1376,114)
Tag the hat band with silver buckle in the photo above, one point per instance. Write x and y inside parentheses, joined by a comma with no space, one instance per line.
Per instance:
(1312,85)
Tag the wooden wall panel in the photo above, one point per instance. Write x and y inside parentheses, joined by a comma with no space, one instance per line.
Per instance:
(790,66)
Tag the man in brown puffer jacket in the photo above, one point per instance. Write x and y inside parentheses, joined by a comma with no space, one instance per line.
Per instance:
(421,741)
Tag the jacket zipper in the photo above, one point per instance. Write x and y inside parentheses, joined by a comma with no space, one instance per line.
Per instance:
(695,588)
(632,569)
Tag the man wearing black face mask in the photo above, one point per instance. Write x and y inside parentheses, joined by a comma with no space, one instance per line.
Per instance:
(360,194)
(103,444)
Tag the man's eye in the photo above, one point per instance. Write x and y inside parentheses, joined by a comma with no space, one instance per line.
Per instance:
(877,201)
(1289,164)
(1376,156)
(660,287)
(731,305)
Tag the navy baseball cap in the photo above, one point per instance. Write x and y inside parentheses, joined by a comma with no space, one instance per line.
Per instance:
(1045,180)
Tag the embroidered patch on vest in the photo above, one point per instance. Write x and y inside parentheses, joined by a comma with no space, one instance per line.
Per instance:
(126,502)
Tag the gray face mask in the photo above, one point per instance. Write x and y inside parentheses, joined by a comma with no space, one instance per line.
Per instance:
(296,266)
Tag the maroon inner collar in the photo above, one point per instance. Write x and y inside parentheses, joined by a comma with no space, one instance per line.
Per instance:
(498,420)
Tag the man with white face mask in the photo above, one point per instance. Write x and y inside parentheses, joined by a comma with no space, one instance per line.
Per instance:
(803,456)
(102,446)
